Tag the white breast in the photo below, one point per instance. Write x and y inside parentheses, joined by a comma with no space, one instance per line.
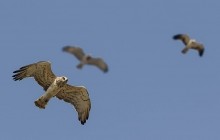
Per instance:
(51,91)
(190,42)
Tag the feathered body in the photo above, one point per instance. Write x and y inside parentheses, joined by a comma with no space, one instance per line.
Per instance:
(86,59)
(189,44)
(56,86)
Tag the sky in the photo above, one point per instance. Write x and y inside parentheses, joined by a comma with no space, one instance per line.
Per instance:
(151,92)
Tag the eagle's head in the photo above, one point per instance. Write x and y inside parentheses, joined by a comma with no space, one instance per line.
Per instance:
(192,40)
(88,57)
(61,81)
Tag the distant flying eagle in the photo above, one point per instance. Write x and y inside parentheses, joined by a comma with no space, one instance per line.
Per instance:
(86,59)
(189,43)
(56,86)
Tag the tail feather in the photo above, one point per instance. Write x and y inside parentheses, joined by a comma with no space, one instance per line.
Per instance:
(80,66)
(185,50)
(41,102)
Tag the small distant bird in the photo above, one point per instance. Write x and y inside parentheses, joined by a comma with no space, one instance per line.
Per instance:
(86,59)
(189,43)
(56,86)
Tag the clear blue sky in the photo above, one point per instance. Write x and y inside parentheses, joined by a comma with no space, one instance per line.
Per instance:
(152,91)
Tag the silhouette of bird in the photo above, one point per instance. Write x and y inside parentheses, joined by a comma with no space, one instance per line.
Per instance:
(56,86)
(190,44)
(85,58)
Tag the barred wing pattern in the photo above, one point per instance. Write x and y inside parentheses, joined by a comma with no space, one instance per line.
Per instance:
(41,71)
(78,96)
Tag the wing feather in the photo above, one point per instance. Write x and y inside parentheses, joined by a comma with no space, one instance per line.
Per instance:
(76,51)
(99,62)
(79,98)
(199,47)
(184,37)
(41,71)
(201,50)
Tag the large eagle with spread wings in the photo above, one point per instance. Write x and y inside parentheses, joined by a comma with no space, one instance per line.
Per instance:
(189,44)
(85,58)
(56,86)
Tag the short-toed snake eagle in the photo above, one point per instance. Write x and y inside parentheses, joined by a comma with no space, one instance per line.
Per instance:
(86,59)
(189,43)
(56,86)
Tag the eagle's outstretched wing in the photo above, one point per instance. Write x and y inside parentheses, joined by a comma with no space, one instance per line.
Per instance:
(79,98)
(184,37)
(199,47)
(76,51)
(201,50)
(41,71)
(189,43)
(99,63)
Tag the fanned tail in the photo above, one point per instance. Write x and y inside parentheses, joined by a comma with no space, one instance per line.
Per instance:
(185,50)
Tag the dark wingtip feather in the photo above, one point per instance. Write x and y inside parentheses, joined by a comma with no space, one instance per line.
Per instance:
(15,79)
(105,70)
(201,52)
(177,36)
(17,71)
(65,48)
(17,75)
(83,122)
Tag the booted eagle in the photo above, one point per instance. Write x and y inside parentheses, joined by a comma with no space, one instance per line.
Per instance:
(56,86)
(86,59)
(189,43)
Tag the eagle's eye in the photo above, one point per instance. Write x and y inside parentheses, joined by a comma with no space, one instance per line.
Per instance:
(64,78)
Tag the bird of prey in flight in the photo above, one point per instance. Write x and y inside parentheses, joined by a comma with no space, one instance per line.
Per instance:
(85,58)
(56,86)
(189,44)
